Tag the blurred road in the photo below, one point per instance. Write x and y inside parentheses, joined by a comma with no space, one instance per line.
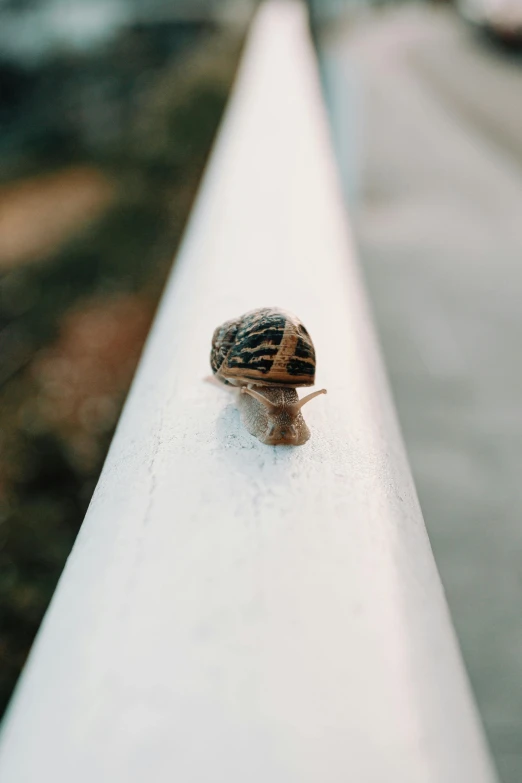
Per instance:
(438,223)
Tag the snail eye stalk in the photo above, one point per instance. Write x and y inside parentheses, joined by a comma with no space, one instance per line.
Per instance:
(298,405)
(261,398)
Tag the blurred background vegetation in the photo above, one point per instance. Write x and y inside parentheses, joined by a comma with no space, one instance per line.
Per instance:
(106,126)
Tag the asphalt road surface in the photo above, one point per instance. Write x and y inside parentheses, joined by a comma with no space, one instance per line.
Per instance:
(434,115)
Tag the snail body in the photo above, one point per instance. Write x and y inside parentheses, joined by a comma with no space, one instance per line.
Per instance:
(273,415)
(267,353)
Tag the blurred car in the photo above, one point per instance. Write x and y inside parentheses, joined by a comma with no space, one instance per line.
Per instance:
(500,18)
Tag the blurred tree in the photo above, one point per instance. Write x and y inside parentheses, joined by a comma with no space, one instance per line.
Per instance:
(72,323)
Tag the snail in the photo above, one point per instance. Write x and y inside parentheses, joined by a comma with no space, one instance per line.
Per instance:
(266,354)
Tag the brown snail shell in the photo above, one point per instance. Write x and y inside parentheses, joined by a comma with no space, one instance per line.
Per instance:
(268,353)
(268,347)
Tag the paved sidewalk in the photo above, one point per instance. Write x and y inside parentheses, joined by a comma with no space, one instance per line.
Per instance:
(439,229)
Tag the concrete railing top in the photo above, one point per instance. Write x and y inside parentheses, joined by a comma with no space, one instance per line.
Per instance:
(233,611)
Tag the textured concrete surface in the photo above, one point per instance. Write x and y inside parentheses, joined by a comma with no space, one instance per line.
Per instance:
(439,231)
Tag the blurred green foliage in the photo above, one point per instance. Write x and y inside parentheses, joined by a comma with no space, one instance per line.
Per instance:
(155,161)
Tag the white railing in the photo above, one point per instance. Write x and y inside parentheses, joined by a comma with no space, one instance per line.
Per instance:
(236,612)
